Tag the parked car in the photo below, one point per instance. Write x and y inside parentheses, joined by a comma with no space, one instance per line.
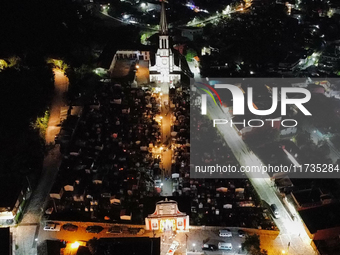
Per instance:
(275,211)
(51,226)
(70,227)
(241,233)
(225,246)
(115,230)
(210,247)
(94,229)
(225,233)
(173,248)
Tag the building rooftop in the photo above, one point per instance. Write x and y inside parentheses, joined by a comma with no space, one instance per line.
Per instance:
(307,196)
(5,241)
(122,68)
(10,188)
(321,217)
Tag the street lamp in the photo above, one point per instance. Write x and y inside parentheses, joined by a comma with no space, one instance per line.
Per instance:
(193,246)
(75,245)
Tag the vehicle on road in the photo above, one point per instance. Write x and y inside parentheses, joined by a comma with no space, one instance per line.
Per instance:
(173,248)
(51,226)
(275,211)
(209,247)
(115,230)
(225,246)
(241,233)
(94,229)
(70,227)
(225,233)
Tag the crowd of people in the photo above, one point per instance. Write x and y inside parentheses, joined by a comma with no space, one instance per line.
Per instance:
(108,166)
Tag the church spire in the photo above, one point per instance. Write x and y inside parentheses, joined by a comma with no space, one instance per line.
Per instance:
(163,25)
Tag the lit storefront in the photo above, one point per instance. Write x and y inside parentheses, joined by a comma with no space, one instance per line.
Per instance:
(167,217)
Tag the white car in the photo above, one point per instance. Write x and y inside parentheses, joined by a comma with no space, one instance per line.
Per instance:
(225,246)
(225,233)
(173,248)
(50,226)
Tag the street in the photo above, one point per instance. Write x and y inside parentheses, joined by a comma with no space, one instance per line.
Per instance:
(291,232)
(26,233)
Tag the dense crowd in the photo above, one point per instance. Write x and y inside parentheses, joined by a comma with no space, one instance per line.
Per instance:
(108,166)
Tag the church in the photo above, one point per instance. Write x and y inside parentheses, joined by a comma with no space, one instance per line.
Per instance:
(164,69)
(164,73)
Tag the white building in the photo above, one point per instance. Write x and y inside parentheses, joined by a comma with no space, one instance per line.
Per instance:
(165,69)
(167,217)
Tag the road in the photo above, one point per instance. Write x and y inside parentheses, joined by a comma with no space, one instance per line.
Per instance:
(26,233)
(290,231)
(116,21)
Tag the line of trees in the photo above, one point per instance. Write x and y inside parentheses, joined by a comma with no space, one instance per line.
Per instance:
(252,245)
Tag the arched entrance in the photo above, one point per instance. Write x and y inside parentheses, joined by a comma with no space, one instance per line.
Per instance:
(167,225)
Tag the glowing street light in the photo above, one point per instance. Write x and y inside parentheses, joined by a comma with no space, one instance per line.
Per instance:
(75,245)
(283,252)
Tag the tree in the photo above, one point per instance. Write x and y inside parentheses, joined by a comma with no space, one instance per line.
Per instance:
(303,138)
(324,149)
(92,244)
(251,242)
(259,252)
(191,53)
(252,245)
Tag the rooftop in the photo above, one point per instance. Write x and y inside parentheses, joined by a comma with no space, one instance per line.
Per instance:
(10,188)
(321,217)
(5,241)
(307,196)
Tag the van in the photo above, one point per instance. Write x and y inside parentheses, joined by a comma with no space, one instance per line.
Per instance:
(225,233)
(275,211)
(225,246)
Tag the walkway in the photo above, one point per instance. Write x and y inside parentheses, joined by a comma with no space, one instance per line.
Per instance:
(25,235)
(166,140)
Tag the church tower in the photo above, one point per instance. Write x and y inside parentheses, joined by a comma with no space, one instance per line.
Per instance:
(165,69)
